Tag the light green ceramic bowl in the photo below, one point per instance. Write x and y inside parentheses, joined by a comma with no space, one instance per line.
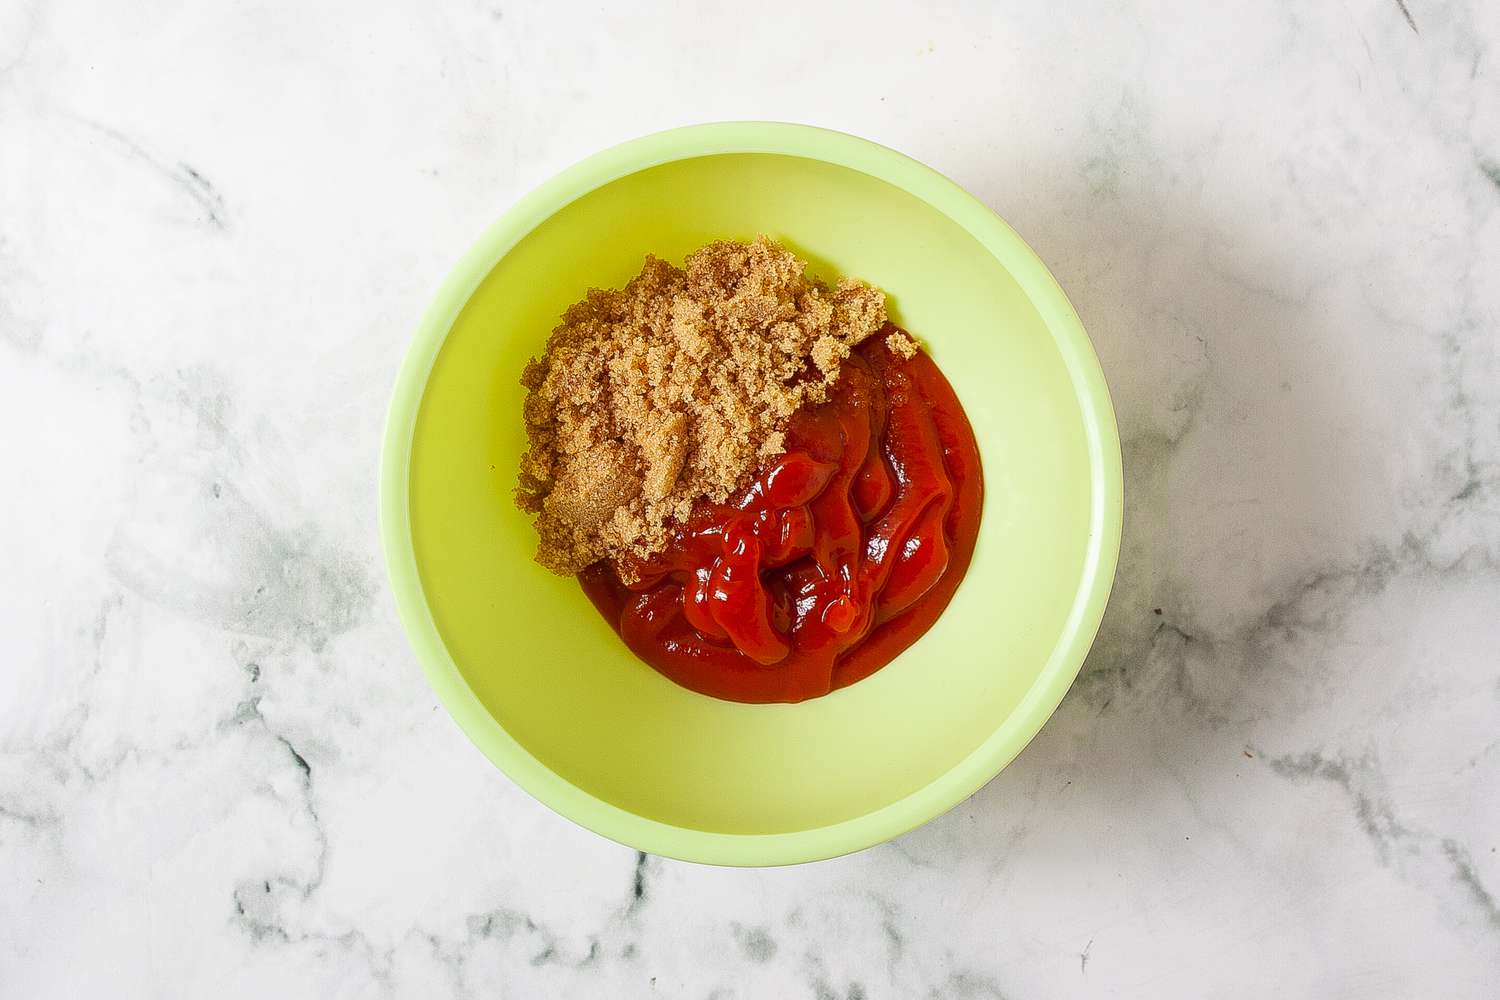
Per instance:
(546,689)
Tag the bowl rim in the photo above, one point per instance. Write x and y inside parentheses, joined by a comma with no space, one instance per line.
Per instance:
(1011,734)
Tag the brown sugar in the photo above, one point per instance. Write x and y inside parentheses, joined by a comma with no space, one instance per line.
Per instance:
(899,343)
(673,390)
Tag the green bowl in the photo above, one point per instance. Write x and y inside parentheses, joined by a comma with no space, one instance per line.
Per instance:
(542,684)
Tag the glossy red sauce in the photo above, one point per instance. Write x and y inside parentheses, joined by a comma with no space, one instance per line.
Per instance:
(843,551)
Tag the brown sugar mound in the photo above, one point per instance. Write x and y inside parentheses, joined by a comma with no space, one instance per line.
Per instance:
(673,390)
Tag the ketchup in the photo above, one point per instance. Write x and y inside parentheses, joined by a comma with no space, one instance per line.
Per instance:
(841,553)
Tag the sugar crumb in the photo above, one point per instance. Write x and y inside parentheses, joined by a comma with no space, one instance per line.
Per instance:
(901,344)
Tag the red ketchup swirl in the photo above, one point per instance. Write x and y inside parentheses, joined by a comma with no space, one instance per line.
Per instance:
(843,551)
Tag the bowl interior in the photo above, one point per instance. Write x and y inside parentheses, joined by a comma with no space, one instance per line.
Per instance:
(546,667)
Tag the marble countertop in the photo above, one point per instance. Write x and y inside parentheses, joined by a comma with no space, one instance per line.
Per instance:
(221,772)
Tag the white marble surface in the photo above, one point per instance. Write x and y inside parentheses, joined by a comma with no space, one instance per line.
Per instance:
(221,773)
